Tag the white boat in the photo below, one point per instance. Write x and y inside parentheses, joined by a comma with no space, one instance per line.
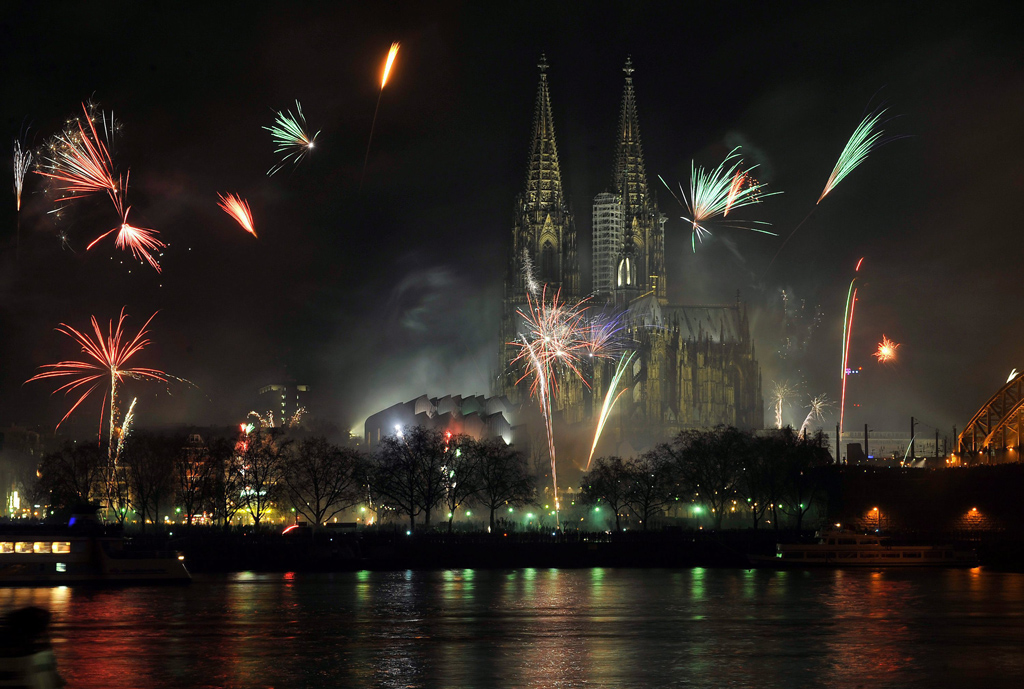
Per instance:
(52,558)
(838,548)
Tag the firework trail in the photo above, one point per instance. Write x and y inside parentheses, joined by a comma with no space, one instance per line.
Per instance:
(1013,374)
(22,161)
(851,303)
(291,137)
(610,398)
(238,208)
(541,383)
(866,138)
(780,396)
(125,430)
(817,411)
(715,192)
(886,351)
(528,276)
(554,337)
(106,356)
(392,54)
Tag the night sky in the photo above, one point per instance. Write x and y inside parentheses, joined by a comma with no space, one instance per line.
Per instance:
(375,297)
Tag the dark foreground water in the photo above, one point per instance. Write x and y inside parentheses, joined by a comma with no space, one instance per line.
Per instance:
(545,628)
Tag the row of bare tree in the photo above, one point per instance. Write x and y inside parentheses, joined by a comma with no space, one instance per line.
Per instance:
(765,473)
(410,475)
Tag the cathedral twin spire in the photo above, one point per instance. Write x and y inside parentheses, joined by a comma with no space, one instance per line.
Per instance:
(545,234)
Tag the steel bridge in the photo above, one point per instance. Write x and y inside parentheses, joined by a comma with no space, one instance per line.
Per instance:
(995,430)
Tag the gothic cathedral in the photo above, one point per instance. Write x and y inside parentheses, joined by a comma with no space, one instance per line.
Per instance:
(695,366)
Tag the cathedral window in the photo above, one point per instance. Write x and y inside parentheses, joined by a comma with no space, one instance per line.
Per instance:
(548,267)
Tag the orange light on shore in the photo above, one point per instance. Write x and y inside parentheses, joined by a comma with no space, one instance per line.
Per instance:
(387,65)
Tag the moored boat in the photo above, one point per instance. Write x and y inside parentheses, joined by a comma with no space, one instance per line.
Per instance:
(48,556)
(838,548)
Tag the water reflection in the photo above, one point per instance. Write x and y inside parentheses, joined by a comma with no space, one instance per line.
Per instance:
(543,628)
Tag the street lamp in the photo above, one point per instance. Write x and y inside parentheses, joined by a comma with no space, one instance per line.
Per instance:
(878,519)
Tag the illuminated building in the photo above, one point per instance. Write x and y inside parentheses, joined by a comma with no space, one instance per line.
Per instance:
(477,416)
(696,364)
(283,401)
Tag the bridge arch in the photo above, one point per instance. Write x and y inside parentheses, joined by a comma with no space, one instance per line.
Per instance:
(997,426)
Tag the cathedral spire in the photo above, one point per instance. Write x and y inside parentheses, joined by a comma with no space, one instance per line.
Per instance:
(630,171)
(543,175)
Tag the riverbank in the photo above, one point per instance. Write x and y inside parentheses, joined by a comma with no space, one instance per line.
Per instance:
(213,551)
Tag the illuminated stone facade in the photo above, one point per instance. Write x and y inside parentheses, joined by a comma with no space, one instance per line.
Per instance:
(696,365)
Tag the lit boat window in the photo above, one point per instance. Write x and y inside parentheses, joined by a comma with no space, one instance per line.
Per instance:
(42,547)
(6,547)
(62,566)
(23,547)
(62,547)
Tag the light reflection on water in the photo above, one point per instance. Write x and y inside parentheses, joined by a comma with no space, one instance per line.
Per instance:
(544,628)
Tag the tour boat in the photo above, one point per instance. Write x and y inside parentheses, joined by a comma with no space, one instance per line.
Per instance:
(837,548)
(54,558)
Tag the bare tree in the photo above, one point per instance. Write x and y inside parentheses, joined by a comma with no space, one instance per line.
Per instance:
(607,482)
(408,472)
(71,475)
(805,455)
(461,478)
(708,465)
(149,462)
(194,470)
(322,479)
(261,465)
(649,484)
(503,475)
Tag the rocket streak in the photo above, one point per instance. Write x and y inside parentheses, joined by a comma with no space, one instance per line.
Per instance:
(610,399)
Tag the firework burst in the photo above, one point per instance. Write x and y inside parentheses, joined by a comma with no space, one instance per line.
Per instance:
(22,161)
(781,393)
(817,408)
(79,162)
(715,192)
(866,138)
(107,362)
(886,351)
(291,137)
(238,208)
(141,241)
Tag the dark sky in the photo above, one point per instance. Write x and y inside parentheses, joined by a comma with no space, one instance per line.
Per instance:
(374,297)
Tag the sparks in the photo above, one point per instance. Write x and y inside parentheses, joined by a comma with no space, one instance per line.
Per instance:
(238,208)
(106,356)
(715,192)
(291,137)
(886,351)
(864,140)
(22,160)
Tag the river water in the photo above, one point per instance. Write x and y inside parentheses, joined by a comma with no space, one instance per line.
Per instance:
(545,628)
